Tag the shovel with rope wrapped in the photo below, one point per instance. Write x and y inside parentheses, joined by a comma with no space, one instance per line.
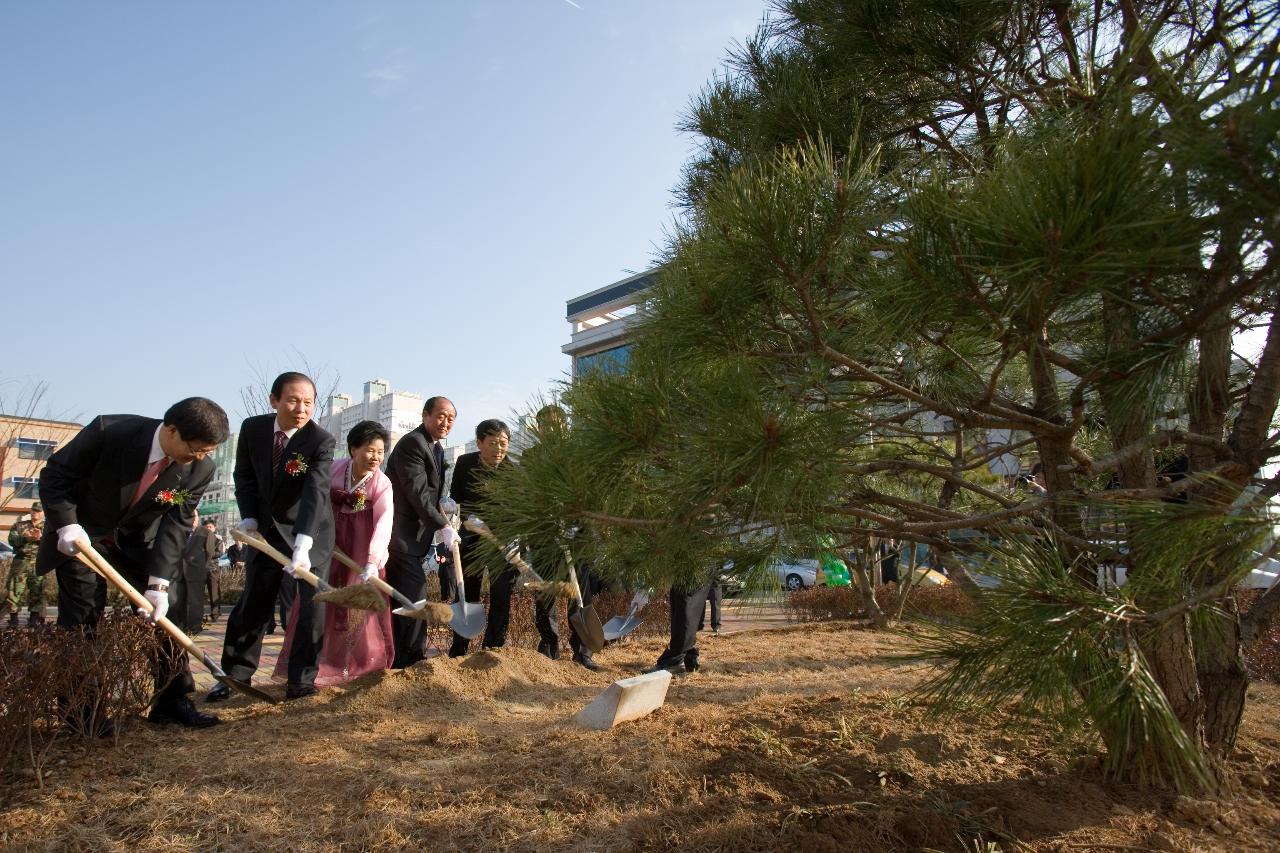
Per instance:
(89,556)
(356,596)
(432,612)
(532,580)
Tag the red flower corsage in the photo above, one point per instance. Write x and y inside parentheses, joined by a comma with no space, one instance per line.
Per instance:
(295,466)
(172,497)
(354,500)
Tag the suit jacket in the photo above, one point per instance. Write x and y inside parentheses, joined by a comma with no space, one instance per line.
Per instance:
(417,485)
(186,592)
(298,499)
(90,481)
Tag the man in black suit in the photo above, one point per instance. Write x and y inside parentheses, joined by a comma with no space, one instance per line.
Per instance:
(282,489)
(687,609)
(130,486)
(187,591)
(416,468)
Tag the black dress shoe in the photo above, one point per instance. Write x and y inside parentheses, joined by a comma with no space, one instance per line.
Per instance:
(674,669)
(181,712)
(300,691)
(220,693)
(586,661)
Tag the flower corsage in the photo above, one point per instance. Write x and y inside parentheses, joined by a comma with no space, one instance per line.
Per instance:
(296,466)
(172,497)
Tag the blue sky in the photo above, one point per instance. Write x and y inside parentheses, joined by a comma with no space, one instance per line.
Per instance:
(197,191)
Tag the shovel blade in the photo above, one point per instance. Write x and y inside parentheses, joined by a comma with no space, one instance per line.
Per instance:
(589,629)
(619,626)
(468,619)
(248,689)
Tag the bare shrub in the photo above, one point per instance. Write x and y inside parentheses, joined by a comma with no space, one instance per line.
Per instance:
(58,683)
(824,604)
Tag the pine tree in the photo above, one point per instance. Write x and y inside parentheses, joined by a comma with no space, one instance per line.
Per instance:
(922,234)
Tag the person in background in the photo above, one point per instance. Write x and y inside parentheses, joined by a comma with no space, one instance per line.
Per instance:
(23,581)
(212,579)
(186,593)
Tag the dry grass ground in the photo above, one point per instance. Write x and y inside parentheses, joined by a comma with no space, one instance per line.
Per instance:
(795,739)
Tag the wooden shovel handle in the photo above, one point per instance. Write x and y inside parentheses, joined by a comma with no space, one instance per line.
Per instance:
(267,548)
(482,529)
(378,583)
(457,571)
(89,555)
(573,578)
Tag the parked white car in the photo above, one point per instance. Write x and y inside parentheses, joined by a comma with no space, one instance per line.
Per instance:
(796,574)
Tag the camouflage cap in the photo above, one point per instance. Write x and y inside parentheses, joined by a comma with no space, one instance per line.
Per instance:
(37,507)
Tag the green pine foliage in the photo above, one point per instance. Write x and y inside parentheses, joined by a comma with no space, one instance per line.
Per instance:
(918,235)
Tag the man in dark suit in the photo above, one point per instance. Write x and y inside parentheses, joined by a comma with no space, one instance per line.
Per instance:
(186,592)
(130,486)
(282,489)
(416,468)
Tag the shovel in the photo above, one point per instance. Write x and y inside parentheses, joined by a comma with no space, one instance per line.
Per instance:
(619,626)
(468,616)
(532,580)
(367,600)
(585,621)
(431,612)
(88,555)
(476,525)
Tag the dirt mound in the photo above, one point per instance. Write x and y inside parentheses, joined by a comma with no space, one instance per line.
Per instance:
(800,739)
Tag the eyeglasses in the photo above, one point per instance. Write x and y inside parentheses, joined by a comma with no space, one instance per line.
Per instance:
(201,453)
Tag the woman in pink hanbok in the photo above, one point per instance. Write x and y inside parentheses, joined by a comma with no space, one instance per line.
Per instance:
(356,642)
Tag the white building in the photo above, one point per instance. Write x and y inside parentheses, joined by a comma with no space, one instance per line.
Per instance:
(399,412)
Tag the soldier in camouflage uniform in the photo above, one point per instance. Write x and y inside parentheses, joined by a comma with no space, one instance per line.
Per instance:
(23,582)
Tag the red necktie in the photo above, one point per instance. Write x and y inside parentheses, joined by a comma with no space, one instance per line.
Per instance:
(277,449)
(148,477)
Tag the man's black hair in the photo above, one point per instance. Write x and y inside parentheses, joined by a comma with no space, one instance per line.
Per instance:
(288,378)
(492,426)
(199,419)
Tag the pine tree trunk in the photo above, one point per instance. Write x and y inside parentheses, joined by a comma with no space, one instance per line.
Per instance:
(1223,681)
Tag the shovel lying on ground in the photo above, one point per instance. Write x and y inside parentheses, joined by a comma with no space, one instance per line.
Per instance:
(585,621)
(619,626)
(88,555)
(356,596)
(431,612)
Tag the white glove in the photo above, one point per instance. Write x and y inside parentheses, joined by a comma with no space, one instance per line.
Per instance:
(448,536)
(448,506)
(370,572)
(248,525)
(572,532)
(301,554)
(67,537)
(159,599)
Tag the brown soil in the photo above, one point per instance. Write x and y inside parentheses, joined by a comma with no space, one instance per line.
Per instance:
(795,739)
